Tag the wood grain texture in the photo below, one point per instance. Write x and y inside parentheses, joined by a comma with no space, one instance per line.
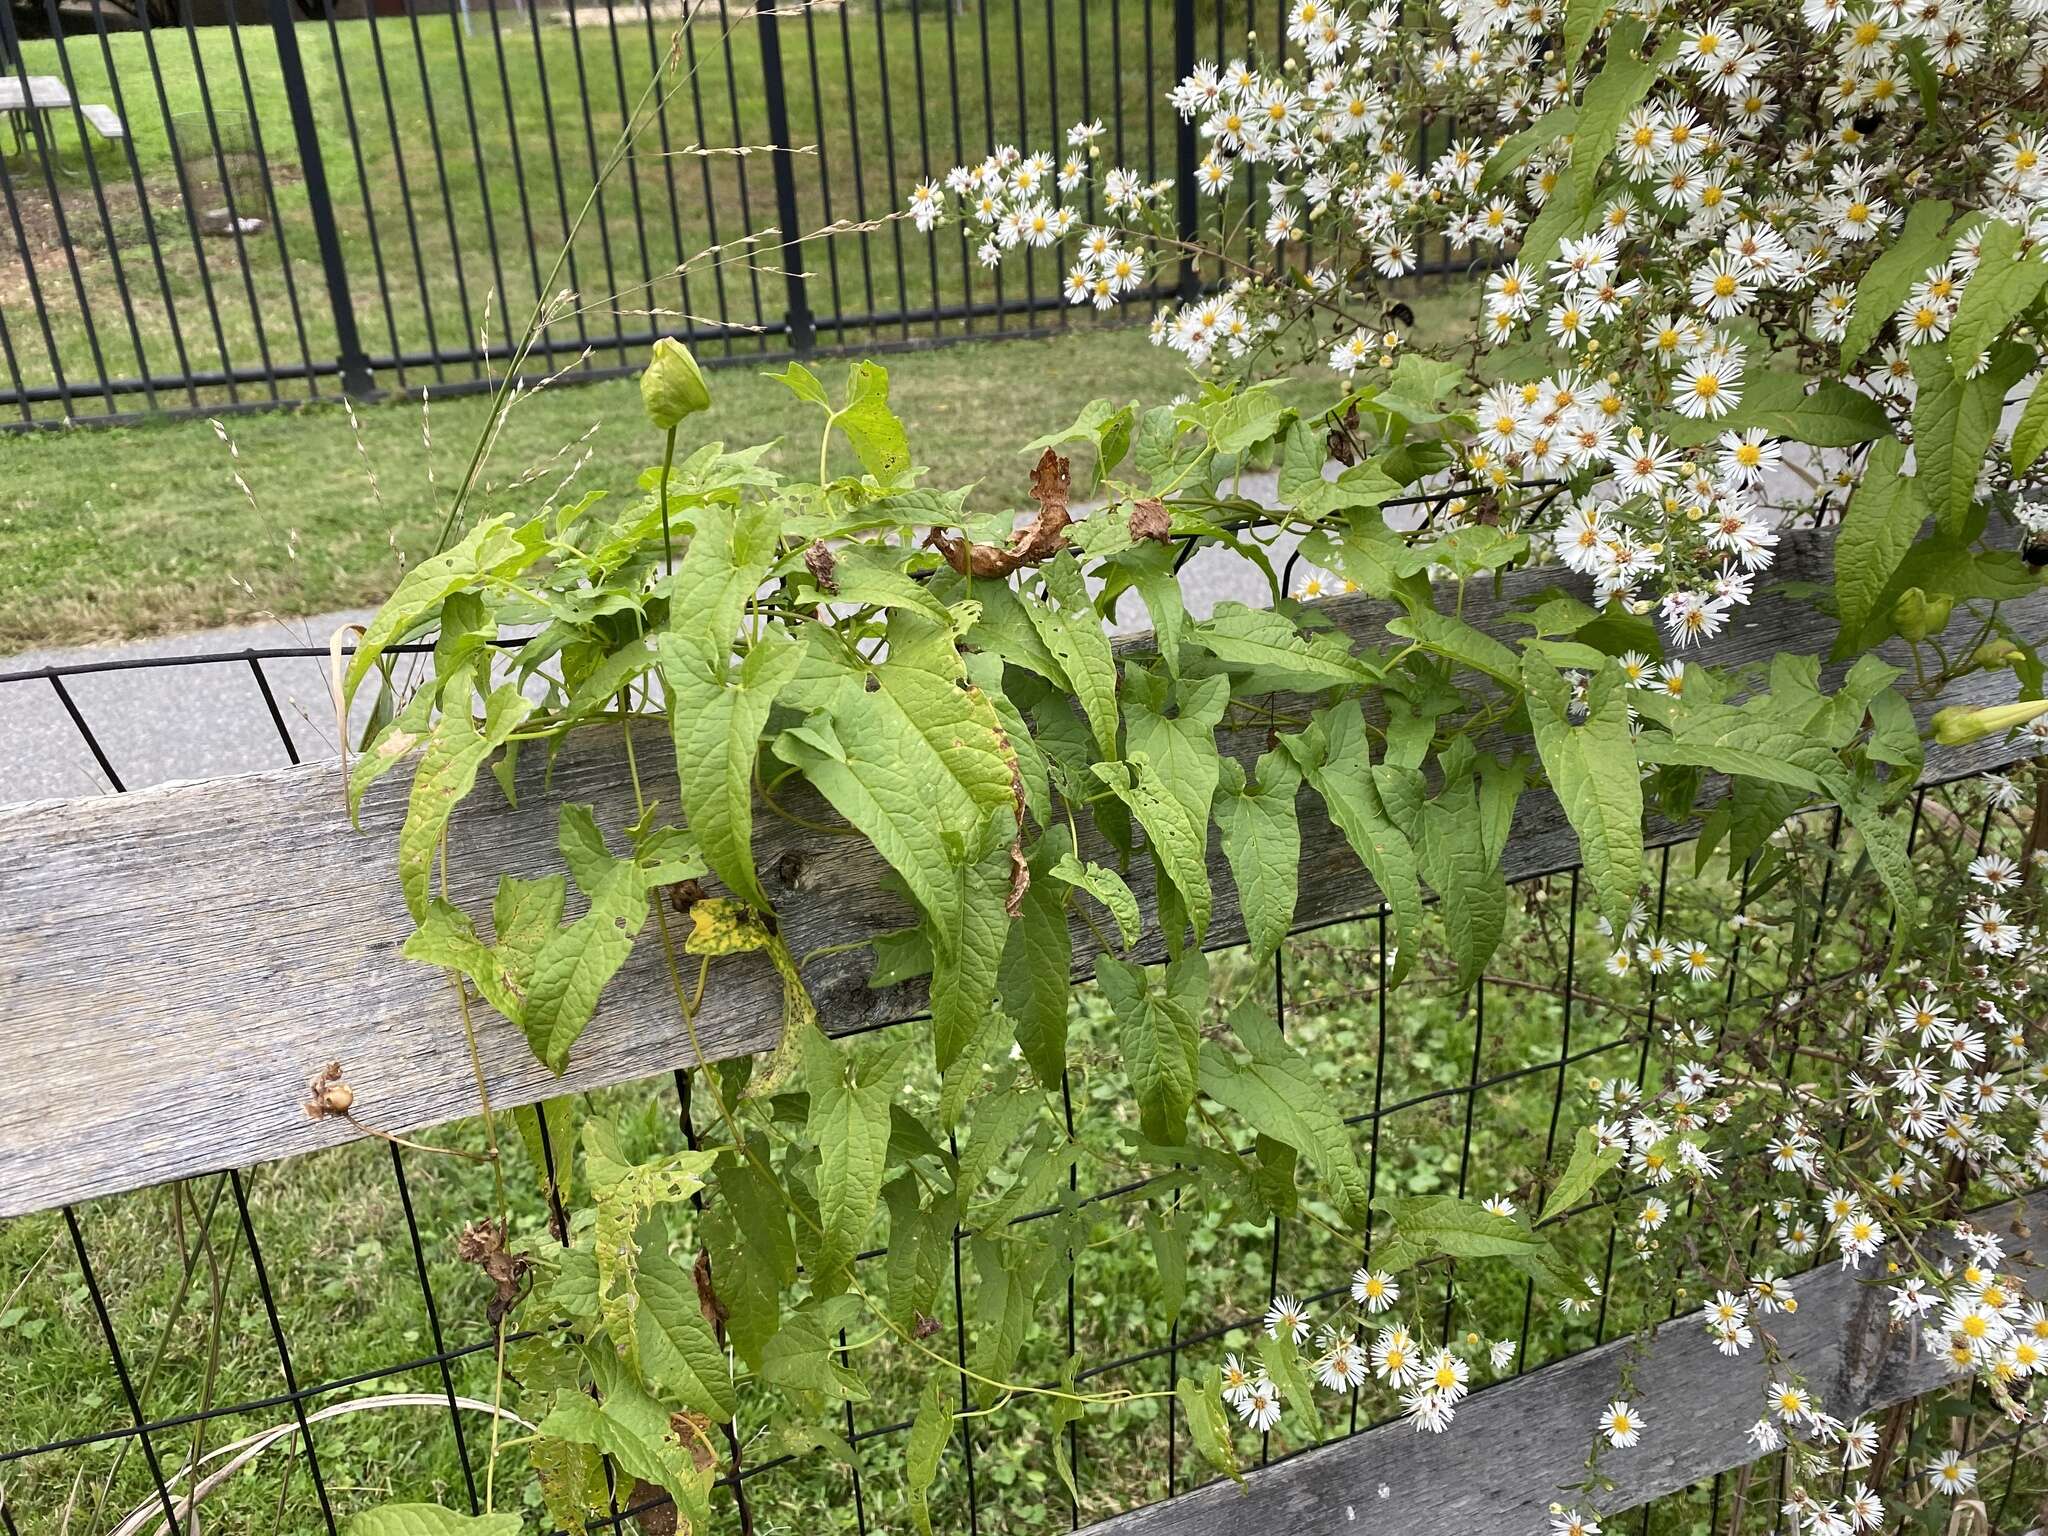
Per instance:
(177,962)
(1520,1446)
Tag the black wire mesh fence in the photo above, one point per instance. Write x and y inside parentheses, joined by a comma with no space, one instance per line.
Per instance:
(317,1309)
(216,204)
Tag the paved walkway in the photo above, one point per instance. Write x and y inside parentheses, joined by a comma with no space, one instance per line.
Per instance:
(162,723)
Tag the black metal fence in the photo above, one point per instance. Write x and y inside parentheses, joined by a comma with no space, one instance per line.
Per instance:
(1500,1079)
(222,204)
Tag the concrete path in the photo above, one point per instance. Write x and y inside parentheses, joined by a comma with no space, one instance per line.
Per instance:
(161,723)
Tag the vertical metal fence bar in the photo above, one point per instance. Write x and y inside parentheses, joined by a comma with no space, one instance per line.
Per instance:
(960,1353)
(419,53)
(1273,1252)
(824,158)
(704,172)
(163,107)
(376,244)
(419,1262)
(1471,1097)
(629,117)
(1187,216)
(739,140)
(128,1392)
(310,377)
(1642,1067)
(232,212)
(284,1354)
(739,1486)
(512,137)
(797,315)
(348,345)
(35,286)
(1564,1056)
(658,60)
(959,158)
(1073,1275)
(860,181)
(1379,1090)
(20,390)
(1023,143)
(889,160)
(404,180)
(988,117)
(459,35)
(39,125)
(92,171)
(924,143)
(547,112)
(597,164)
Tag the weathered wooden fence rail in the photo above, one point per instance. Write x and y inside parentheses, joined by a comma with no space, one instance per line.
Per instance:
(177,962)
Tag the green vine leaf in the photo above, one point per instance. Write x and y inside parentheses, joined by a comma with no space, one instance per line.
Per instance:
(804,1354)
(920,1250)
(1471,888)
(1179,843)
(716,717)
(1261,837)
(930,1429)
(1883,515)
(919,763)
(1156,1009)
(573,965)
(446,774)
(1589,1162)
(1035,977)
(2003,284)
(489,550)
(1277,652)
(1335,756)
(851,1088)
(1201,1403)
(1276,1093)
(1068,627)
(626,1194)
(1448,1226)
(1920,245)
(753,1256)
(679,1354)
(1954,421)
(1009,1272)
(1283,1363)
(1108,888)
(1592,767)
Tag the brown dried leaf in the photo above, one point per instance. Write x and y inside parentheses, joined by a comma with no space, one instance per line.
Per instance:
(819,561)
(707,1297)
(482,1243)
(1051,482)
(1151,520)
(327,1094)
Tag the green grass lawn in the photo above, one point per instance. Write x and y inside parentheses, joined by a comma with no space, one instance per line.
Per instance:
(124,531)
(456,163)
(334,1241)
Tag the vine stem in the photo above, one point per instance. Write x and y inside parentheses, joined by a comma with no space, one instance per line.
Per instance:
(668,459)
